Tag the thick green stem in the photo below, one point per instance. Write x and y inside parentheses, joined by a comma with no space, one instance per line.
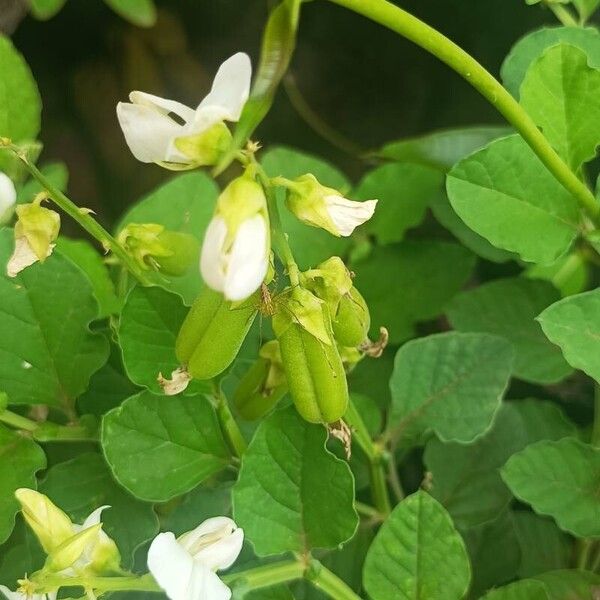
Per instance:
(360,433)
(583,553)
(229,425)
(260,577)
(83,218)
(326,581)
(379,489)
(562,14)
(144,583)
(387,14)
(46,431)
(17,421)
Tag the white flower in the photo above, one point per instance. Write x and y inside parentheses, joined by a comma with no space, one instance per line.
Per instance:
(324,207)
(8,197)
(185,567)
(10,595)
(346,214)
(151,132)
(237,268)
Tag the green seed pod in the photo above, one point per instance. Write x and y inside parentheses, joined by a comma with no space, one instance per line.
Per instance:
(263,385)
(213,332)
(352,321)
(314,370)
(184,248)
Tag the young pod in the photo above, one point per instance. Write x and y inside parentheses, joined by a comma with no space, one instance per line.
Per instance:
(352,320)
(213,332)
(313,367)
(263,385)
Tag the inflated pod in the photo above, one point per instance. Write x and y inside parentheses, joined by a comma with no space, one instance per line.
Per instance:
(314,371)
(213,332)
(352,320)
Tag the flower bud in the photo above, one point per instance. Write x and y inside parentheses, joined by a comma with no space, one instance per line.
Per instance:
(154,247)
(50,524)
(213,332)
(314,370)
(263,385)
(35,232)
(325,207)
(236,249)
(352,320)
(8,197)
(70,551)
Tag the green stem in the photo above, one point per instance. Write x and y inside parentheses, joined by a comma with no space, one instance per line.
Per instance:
(562,14)
(83,218)
(583,555)
(326,581)
(360,433)
(229,425)
(17,421)
(367,511)
(379,489)
(144,583)
(267,575)
(387,14)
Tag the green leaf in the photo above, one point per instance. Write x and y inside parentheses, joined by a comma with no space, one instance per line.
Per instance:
(533,45)
(108,387)
(293,495)
(509,307)
(20,554)
(520,590)
(404,191)
(451,383)
(48,353)
(81,485)
(20,103)
(544,547)
(559,479)
(466,478)
(278,43)
(185,203)
(139,12)
(494,552)
(55,172)
(417,554)
(506,195)
(562,95)
(574,324)
(570,584)
(441,150)
(310,245)
(160,447)
(425,275)
(84,256)
(45,9)
(20,459)
(148,328)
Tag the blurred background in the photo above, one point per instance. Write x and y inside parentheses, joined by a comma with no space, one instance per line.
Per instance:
(365,82)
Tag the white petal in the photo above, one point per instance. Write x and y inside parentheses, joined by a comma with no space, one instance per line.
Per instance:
(8,197)
(94,517)
(248,261)
(148,132)
(10,595)
(205,585)
(22,257)
(348,215)
(171,566)
(231,86)
(163,105)
(212,260)
(216,543)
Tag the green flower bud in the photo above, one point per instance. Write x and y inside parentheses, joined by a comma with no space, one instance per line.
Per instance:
(213,332)
(70,551)
(263,385)
(153,247)
(314,369)
(352,321)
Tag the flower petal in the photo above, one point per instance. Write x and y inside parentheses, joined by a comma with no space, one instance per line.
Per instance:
(10,595)
(216,542)
(348,215)
(179,576)
(148,132)
(249,259)
(162,105)
(212,259)
(231,87)
(94,517)
(23,256)
(8,197)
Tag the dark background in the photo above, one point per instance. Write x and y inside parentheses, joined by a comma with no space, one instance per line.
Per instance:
(364,81)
